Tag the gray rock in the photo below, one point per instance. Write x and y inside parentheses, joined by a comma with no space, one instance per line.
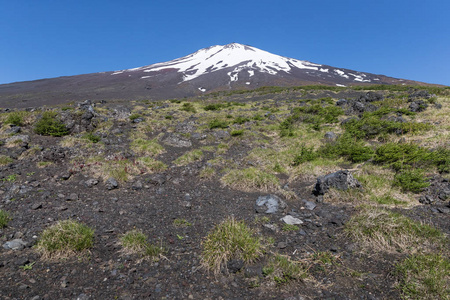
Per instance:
(221,134)
(17,244)
(16,138)
(330,136)
(90,182)
(341,180)
(111,183)
(176,140)
(253,271)
(36,206)
(137,185)
(72,197)
(13,130)
(309,205)
(290,220)
(269,204)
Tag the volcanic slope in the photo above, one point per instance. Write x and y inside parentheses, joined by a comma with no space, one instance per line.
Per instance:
(229,67)
(270,194)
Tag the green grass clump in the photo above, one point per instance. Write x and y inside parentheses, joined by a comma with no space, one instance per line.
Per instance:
(50,125)
(4,218)
(181,223)
(282,269)
(216,123)
(288,227)
(214,106)
(251,179)
(189,157)
(424,276)
(412,180)
(382,229)
(135,242)
(147,147)
(229,240)
(65,238)
(4,160)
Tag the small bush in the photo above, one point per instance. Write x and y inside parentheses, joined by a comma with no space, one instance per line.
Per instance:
(306,154)
(133,117)
(92,137)
(412,180)
(65,238)
(16,118)
(237,132)
(188,107)
(50,125)
(346,146)
(241,120)
(4,218)
(135,242)
(424,276)
(229,240)
(214,106)
(216,123)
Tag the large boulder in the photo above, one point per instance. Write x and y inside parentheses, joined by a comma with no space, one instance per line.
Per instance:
(341,180)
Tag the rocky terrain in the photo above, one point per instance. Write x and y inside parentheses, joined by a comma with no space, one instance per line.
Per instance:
(346,190)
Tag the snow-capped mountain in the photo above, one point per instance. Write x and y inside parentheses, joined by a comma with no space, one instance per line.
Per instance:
(241,62)
(228,67)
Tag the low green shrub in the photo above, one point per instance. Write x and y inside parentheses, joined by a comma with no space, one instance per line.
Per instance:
(133,117)
(50,125)
(305,154)
(346,146)
(412,180)
(216,123)
(15,118)
(4,160)
(237,132)
(92,137)
(188,107)
(241,120)
(400,155)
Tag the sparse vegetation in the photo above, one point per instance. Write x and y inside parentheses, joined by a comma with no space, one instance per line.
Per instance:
(4,160)
(65,238)
(135,242)
(230,239)
(50,125)
(424,276)
(251,179)
(4,218)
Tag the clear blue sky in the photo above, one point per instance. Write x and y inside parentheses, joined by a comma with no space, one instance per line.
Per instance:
(403,39)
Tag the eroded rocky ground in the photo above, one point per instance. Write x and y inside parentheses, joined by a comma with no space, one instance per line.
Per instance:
(146,165)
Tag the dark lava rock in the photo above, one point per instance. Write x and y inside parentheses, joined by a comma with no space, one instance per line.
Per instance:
(341,180)
(54,154)
(235,265)
(418,106)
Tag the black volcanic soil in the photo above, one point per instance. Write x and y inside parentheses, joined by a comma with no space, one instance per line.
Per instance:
(37,197)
